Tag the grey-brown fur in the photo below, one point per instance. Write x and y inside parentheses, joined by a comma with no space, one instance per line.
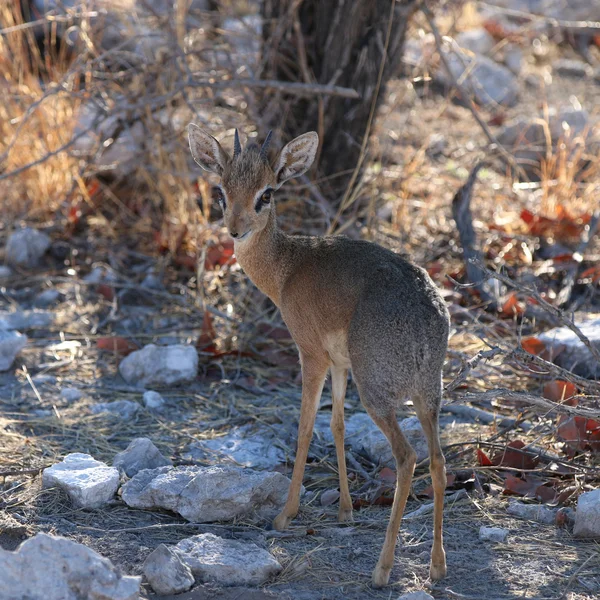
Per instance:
(348,304)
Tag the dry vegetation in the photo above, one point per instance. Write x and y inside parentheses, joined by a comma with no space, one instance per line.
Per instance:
(93,150)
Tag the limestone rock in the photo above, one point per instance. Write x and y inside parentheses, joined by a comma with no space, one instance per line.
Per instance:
(366,438)
(206,494)
(489,83)
(153,400)
(532,512)
(166,572)
(25,319)
(587,517)
(226,562)
(46,567)
(247,446)
(140,454)
(26,247)
(420,595)
(89,483)
(71,394)
(124,409)
(574,355)
(160,365)
(493,534)
(478,40)
(11,343)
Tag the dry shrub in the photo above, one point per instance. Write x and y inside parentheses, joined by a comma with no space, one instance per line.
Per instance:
(107,128)
(569,174)
(37,119)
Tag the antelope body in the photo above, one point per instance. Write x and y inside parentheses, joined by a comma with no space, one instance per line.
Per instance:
(348,305)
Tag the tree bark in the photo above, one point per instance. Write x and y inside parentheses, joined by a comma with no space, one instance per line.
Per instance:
(338,42)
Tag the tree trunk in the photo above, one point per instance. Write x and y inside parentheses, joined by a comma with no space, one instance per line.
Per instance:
(338,42)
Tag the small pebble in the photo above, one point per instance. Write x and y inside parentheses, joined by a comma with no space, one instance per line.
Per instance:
(71,394)
(153,400)
(493,534)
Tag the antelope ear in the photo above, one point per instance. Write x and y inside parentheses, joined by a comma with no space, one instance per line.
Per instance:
(206,151)
(296,157)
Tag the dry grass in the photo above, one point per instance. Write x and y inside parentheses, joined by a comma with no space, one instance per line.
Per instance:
(37,118)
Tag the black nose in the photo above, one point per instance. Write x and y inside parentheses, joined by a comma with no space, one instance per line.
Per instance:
(234,234)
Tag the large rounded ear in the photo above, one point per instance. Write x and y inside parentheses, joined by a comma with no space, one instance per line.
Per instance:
(206,151)
(297,157)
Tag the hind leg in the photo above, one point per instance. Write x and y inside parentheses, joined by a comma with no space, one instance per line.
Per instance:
(428,413)
(339,377)
(406,459)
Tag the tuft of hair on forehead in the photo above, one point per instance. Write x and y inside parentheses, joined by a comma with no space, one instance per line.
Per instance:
(248,168)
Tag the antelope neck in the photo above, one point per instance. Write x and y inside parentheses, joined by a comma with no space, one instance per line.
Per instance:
(263,258)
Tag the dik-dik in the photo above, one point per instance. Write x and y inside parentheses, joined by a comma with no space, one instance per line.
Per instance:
(348,305)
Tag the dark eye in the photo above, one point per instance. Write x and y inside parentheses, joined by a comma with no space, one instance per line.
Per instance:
(265,199)
(218,196)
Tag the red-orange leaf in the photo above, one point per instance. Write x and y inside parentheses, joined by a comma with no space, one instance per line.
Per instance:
(116,344)
(483,459)
(386,474)
(206,341)
(533,345)
(559,390)
(106,291)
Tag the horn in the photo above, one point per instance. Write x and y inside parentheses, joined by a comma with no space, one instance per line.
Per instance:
(237,147)
(265,147)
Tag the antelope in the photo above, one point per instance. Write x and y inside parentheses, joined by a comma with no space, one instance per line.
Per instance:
(348,304)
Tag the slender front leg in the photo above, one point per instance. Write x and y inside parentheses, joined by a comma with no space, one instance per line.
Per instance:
(314,371)
(339,378)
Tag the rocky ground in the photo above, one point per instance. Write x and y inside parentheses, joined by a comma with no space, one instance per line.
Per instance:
(151,421)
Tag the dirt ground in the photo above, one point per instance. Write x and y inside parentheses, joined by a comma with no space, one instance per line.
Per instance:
(322,560)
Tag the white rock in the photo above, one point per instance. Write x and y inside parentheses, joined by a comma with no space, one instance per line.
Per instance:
(227,562)
(25,319)
(124,409)
(366,438)
(46,567)
(206,494)
(11,343)
(153,400)
(587,517)
(26,247)
(166,572)
(5,272)
(160,365)
(247,446)
(415,596)
(478,41)
(493,534)
(532,512)
(140,454)
(46,298)
(575,356)
(89,483)
(488,82)
(71,394)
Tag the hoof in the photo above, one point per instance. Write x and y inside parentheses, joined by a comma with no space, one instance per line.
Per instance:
(437,572)
(380,577)
(281,522)
(345,516)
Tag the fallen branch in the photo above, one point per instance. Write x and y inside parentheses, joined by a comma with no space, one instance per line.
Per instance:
(484,416)
(531,400)
(290,87)
(427,509)
(470,365)
(461,212)
(519,355)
